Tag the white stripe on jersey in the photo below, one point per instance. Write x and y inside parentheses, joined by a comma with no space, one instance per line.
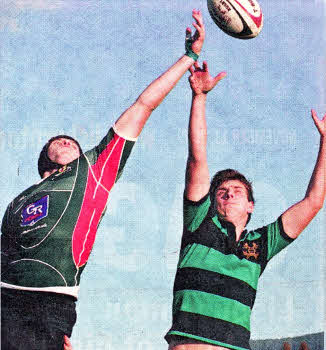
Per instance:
(82,251)
(54,226)
(44,263)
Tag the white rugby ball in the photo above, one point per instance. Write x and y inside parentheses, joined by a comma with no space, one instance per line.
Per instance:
(241,19)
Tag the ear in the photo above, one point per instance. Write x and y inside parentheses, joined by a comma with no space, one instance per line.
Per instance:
(251,207)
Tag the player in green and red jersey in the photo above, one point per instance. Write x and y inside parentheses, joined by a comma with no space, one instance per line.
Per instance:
(49,229)
(220,262)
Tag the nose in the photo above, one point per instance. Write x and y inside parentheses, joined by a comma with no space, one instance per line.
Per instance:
(66,142)
(228,194)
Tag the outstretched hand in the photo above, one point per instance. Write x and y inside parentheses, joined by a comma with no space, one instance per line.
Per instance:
(196,41)
(201,81)
(320,124)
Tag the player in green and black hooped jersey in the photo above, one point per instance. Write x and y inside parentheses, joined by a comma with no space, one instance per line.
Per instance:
(220,262)
(48,231)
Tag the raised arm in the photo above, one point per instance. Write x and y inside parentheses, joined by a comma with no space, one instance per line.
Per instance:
(197,174)
(132,121)
(297,217)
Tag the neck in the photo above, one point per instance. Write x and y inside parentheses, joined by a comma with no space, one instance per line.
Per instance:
(238,231)
(239,224)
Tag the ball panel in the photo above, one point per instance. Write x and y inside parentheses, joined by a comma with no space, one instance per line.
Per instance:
(250,6)
(249,9)
(241,19)
(225,16)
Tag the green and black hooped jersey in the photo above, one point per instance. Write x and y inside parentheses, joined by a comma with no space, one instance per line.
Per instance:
(48,231)
(216,280)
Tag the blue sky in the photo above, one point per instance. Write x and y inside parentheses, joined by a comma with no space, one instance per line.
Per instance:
(74,66)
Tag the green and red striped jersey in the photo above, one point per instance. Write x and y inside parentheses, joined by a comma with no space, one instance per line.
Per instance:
(48,231)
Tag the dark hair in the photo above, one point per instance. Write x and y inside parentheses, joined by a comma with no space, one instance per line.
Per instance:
(44,162)
(231,174)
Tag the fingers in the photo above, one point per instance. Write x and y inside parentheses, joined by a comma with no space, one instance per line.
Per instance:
(197,16)
(313,114)
(205,67)
(188,33)
(319,123)
(198,28)
(199,24)
(220,76)
(67,344)
(315,117)
(194,68)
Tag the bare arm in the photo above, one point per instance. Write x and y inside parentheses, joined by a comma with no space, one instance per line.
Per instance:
(297,217)
(132,121)
(197,174)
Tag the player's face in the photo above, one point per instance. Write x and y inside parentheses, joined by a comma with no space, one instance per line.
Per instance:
(232,201)
(63,151)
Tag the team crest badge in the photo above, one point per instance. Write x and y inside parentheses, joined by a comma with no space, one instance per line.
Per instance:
(35,212)
(64,169)
(250,251)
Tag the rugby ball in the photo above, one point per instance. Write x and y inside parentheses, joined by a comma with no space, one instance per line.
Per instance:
(242,19)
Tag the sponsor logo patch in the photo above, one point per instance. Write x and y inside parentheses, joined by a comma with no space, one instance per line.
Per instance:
(35,212)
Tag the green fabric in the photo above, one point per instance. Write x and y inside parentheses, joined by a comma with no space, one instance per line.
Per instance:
(275,240)
(218,224)
(217,276)
(194,215)
(206,258)
(192,55)
(212,306)
(188,47)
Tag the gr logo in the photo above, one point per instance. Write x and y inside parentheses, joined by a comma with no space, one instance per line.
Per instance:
(34,212)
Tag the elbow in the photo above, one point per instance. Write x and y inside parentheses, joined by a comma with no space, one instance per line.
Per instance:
(315,204)
(145,105)
(196,162)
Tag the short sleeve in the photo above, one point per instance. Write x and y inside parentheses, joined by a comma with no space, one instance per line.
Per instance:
(195,212)
(277,239)
(109,157)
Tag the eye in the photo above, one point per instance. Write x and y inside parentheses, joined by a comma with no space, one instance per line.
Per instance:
(240,192)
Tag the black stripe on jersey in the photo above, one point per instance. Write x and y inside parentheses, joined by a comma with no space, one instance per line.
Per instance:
(210,236)
(210,329)
(214,283)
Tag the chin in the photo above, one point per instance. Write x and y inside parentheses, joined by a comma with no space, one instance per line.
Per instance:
(65,161)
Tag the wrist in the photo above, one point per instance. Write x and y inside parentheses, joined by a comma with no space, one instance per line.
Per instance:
(200,95)
(192,54)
